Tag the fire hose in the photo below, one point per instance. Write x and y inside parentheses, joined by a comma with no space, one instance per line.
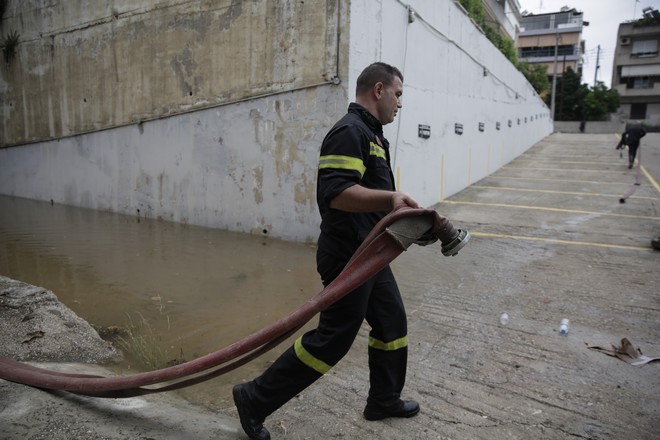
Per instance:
(387,240)
(637,183)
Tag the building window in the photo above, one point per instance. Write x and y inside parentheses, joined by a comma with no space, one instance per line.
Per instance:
(639,82)
(645,48)
(638,111)
(546,51)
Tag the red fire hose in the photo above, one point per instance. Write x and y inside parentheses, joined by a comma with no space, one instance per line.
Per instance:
(389,238)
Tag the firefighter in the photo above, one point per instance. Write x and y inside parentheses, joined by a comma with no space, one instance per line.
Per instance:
(355,189)
(631,137)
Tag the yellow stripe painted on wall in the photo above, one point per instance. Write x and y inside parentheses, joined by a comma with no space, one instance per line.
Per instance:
(488,159)
(442,177)
(469,181)
(398,178)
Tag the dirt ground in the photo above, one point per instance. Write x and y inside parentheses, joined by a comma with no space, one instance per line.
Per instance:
(550,240)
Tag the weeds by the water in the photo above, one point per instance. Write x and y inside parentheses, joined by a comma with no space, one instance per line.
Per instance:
(141,344)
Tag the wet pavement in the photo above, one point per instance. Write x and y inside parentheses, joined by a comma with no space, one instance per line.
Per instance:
(550,240)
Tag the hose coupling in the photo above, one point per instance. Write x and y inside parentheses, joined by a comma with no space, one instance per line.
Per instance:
(451,249)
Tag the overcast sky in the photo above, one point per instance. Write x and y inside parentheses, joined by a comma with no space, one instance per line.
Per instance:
(604,17)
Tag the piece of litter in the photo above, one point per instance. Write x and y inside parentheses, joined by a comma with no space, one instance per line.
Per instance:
(626,352)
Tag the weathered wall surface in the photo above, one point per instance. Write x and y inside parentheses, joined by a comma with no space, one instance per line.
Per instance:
(83,66)
(204,112)
(225,157)
(248,167)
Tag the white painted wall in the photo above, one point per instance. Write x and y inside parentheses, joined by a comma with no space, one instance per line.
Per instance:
(443,57)
(251,166)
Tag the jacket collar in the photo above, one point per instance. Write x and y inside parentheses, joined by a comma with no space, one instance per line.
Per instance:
(367,117)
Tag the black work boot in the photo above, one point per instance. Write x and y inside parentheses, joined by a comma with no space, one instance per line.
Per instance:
(403,408)
(253,427)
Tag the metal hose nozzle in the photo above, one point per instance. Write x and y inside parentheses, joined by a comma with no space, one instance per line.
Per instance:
(450,249)
(452,239)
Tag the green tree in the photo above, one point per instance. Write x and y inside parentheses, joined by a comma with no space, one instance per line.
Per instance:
(570,96)
(537,75)
(600,101)
(578,102)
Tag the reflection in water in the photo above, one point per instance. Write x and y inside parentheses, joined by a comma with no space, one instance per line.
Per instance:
(199,289)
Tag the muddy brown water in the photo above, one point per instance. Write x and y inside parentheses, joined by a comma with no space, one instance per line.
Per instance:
(183,290)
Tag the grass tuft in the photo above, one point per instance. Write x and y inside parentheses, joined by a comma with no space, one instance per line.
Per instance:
(144,347)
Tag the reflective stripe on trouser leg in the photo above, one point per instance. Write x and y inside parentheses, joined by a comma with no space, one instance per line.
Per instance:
(388,342)
(309,359)
(387,374)
(319,349)
(388,346)
(311,355)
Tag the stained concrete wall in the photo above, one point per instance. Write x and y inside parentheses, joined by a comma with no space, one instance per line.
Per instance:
(86,65)
(248,163)
(248,167)
(208,113)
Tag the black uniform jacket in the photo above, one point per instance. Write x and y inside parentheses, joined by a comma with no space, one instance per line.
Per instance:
(354,152)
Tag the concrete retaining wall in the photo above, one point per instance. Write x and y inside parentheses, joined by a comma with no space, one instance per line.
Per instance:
(83,66)
(250,165)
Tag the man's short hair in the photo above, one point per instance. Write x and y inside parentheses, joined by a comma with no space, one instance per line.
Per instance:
(374,73)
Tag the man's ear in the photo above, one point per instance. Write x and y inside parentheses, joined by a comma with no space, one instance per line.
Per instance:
(378,90)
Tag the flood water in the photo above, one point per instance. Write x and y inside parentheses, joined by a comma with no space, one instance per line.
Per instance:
(193,290)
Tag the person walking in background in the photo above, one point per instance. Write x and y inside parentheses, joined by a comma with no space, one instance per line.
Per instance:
(631,137)
(355,190)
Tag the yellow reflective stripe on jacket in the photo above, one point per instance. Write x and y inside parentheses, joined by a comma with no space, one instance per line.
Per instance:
(342,162)
(308,359)
(376,150)
(388,346)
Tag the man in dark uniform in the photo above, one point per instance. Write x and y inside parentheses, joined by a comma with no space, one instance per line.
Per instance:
(355,190)
(631,137)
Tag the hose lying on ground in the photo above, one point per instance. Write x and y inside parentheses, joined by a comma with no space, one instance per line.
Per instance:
(389,238)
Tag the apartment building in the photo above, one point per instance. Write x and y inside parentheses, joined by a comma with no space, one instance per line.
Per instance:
(636,68)
(553,39)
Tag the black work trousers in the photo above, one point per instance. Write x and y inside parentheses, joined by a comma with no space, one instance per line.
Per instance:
(379,301)
(632,152)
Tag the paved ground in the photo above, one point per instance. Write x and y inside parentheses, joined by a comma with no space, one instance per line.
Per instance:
(551,240)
